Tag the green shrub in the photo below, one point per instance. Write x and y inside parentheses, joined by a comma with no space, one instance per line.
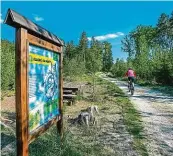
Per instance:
(7,65)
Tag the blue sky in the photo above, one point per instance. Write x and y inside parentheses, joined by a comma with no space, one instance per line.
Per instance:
(106,20)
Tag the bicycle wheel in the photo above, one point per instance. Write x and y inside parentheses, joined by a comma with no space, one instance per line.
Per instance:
(128,86)
(131,88)
(132,91)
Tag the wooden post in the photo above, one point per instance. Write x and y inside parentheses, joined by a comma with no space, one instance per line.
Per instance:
(21,92)
(60,121)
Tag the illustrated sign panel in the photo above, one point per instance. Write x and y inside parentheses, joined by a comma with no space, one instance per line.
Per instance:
(43,86)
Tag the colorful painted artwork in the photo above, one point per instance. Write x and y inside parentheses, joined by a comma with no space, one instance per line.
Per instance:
(43,86)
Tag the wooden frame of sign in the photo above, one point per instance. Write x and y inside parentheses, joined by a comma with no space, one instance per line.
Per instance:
(24,38)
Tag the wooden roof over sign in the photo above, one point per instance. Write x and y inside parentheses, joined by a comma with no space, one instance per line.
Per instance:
(16,20)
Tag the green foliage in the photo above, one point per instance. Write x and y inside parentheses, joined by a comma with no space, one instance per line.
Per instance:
(119,68)
(94,59)
(73,68)
(7,65)
(150,51)
(83,47)
(107,57)
(83,58)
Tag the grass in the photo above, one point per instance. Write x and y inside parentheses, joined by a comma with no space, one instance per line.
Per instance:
(7,93)
(81,78)
(50,144)
(80,141)
(131,117)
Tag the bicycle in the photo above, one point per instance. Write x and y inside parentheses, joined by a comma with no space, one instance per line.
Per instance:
(131,87)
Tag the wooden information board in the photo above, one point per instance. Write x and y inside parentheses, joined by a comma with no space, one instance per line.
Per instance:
(38,80)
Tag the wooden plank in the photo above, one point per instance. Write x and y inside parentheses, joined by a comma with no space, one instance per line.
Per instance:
(60,122)
(42,43)
(21,92)
(67,91)
(71,88)
(68,96)
(61,83)
(27,94)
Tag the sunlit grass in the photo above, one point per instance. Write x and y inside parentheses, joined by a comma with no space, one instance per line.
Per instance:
(131,117)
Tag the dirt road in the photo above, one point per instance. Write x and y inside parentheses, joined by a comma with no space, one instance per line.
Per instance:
(156,110)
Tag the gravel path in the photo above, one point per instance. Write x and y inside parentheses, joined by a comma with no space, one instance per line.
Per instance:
(156,110)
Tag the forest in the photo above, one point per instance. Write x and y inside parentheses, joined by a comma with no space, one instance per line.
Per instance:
(84,58)
(149,48)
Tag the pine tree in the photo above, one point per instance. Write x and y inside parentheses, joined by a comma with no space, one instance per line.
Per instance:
(107,57)
(82,48)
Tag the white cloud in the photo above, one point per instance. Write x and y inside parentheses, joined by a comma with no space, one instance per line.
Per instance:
(120,33)
(38,18)
(1,20)
(89,38)
(107,36)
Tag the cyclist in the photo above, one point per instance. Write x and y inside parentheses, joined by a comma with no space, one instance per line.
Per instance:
(131,76)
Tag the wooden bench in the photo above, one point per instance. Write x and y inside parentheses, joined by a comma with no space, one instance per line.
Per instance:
(69,94)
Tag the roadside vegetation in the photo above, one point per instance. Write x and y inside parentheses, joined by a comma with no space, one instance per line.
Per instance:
(150,53)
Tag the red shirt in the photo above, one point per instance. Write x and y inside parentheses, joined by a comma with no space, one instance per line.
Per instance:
(130,73)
